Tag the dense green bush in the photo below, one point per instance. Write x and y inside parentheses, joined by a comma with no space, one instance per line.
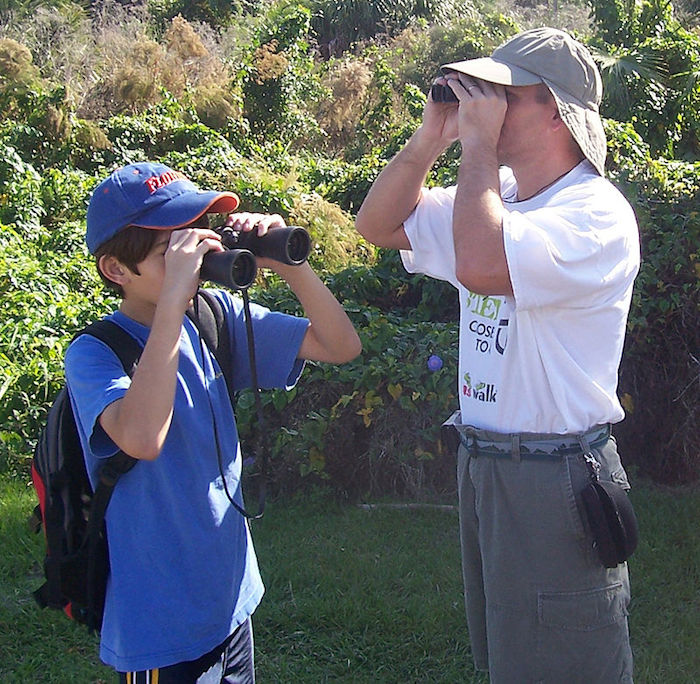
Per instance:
(650,67)
(240,105)
(372,426)
(660,368)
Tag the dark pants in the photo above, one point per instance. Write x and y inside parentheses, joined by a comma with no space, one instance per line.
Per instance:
(230,663)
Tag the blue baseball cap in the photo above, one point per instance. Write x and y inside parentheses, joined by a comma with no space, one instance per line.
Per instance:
(149,195)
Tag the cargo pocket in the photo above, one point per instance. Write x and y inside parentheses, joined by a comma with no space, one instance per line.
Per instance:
(583,636)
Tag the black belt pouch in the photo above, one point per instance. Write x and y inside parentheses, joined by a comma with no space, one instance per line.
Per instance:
(612,521)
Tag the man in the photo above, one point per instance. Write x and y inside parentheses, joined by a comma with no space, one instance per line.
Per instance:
(543,251)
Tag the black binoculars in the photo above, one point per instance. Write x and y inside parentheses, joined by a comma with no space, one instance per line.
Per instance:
(442,93)
(236,266)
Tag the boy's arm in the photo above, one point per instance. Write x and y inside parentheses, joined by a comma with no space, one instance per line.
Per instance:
(138,423)
(330,336)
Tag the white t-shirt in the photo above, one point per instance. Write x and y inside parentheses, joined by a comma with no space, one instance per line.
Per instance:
(546,359)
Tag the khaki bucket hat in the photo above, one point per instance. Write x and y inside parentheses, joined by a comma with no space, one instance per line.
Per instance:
(565,66)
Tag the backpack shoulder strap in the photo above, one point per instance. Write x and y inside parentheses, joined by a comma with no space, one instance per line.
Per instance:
(128,350)
(124,345)
(209,317)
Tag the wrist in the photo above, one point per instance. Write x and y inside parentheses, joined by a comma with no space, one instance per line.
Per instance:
(426,145)
(476,151)
(173,302)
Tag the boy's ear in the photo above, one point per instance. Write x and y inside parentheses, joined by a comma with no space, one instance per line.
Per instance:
(113,269)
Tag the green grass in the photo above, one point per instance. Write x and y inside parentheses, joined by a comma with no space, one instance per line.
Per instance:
(363,596)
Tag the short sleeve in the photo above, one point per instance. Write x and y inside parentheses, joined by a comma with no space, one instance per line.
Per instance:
(429,230)
(581,247)
(95,379)
(277,338)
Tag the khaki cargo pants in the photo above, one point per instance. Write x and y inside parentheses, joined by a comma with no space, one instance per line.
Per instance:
(540,605)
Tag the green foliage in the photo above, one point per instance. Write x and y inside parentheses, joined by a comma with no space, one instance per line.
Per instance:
(622,22)
(343,23)
(371,426)
(48,293)
(278,78)
(215,12)
(418,52)
(346,184)
(660,366)
(64,196)
(20,186)
(263,106)
(650,66)
(336,243)
(16,63)
(35,116)
(338,24)
(376,125)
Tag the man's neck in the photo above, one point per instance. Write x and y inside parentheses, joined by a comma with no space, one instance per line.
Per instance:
(532,179)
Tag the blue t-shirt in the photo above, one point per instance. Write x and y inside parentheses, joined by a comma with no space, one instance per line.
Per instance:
(183,570)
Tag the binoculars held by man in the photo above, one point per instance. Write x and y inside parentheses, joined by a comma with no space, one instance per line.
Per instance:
(442,93)
(236,266)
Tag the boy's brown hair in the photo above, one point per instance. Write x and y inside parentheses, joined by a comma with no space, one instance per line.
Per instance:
(130,247)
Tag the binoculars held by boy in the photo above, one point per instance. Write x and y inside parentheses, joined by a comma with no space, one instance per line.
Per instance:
(236,266)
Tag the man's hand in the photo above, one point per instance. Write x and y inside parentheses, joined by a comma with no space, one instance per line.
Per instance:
(482,110)
(440,119)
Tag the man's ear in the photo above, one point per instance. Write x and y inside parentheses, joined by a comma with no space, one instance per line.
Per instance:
(113,269)
(557,121)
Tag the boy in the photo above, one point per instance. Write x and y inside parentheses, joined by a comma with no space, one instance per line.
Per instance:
(184,579)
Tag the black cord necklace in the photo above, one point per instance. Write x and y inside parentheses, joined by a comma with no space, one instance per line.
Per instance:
(544,187)
(262,491)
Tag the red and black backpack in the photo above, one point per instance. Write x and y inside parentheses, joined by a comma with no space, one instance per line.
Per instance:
(76,564)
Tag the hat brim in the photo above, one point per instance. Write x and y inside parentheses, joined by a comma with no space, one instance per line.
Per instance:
(184,209)
(494,71)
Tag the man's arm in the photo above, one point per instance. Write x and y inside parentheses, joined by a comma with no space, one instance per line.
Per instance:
(396,191)
(477,220)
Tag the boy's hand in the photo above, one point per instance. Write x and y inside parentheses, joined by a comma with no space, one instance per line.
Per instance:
(183,260)
(261,224)
(330,336)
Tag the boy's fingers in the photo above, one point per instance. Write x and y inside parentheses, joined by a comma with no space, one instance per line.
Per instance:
(249,221)
(210,245)
(271,221)
(183,235)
